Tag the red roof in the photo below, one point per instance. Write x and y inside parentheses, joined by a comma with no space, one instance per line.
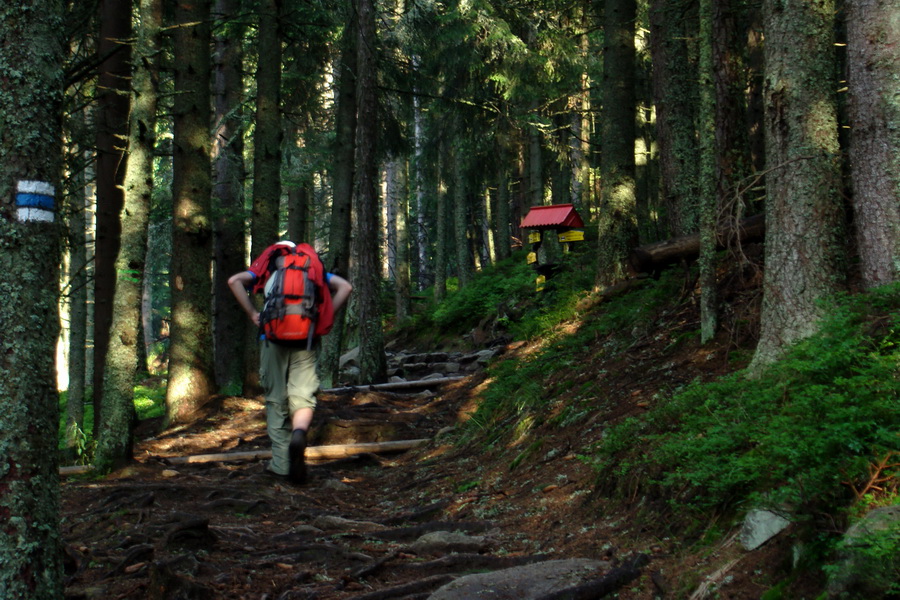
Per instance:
(556,215)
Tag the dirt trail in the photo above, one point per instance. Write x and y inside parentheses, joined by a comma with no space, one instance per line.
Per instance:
(365,527)
(368,527)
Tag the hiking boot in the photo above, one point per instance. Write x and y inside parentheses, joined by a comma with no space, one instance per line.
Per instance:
(296,451)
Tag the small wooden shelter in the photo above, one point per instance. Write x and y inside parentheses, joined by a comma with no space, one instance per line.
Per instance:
(562,218)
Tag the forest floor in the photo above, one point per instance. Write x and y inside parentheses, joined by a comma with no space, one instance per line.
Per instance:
(227,530)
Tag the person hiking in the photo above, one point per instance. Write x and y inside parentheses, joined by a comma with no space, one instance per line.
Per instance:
(287,364)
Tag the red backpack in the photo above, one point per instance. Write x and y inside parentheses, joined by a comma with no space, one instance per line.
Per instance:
(298,301)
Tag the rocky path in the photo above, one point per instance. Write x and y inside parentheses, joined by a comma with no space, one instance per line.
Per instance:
(368,527)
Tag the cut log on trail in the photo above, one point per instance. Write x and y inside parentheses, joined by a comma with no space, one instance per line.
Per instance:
(654,257)
(312,453)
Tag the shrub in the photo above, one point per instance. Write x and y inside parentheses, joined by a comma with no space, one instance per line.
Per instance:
(804,434)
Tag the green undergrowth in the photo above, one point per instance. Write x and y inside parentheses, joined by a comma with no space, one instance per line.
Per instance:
(149,403)
(817,434)
(522,391)
(502,299)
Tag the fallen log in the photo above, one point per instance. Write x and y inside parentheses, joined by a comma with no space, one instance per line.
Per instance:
(653,257)
(397,385)
(312,453)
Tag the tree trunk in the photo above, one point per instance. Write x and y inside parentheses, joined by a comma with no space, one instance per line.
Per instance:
(675,95)
(618,228)
(803,208)
(118,416)
(30,153)
(229,244)
(338,258)
(502,236)
(708,180)
(401,275)
(268,136)
(77,286)
(190,348)
(443,225)
(372,360)
(421,237)
(460,220)
(873,71)
(112,129)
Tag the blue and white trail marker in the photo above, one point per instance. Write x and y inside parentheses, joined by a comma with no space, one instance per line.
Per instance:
(35,201)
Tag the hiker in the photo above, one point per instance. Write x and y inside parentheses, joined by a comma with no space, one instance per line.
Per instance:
(287,368)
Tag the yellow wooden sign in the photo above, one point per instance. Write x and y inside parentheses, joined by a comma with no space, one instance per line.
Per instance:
(531,258)
(539,283)
(534,237)
(573,235)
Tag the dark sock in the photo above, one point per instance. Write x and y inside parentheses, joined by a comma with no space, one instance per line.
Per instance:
(296,450)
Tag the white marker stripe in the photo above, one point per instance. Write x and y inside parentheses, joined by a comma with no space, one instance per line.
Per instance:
(35,214)
(36,187)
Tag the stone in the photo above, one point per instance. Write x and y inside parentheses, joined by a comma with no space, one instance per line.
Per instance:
(445,542)
(760,526)
(526,582)
(868,561)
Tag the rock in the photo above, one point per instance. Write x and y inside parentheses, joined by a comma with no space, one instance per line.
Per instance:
(349,358)
(336,485)
(445,542)
(331,523)
(759,527)
(869,561)
(526,582)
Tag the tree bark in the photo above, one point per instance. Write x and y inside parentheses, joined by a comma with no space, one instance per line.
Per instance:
(803,207)
(441,251)
(421,237)
(502,235)
(30,163)
(343,173)
(402,270)
(77,286)
(372,360)
(190,349)
(873,69)
(112,130)
(460,220)
(122,358)
(269,135)
(229,245)
(675,95)
(618,227)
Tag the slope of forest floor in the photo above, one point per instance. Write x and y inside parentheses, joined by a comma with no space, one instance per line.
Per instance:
(227,530)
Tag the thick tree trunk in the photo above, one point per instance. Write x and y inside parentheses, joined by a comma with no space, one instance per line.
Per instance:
(803,207)
(873,72)
(123,355)
(343,172)
(229,244)
(675,95)
(372,360)
(269,135)
(190,348)
(30,153)
(618,227)
(112,125)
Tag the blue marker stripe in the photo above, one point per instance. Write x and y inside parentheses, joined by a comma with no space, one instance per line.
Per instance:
(34,201)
